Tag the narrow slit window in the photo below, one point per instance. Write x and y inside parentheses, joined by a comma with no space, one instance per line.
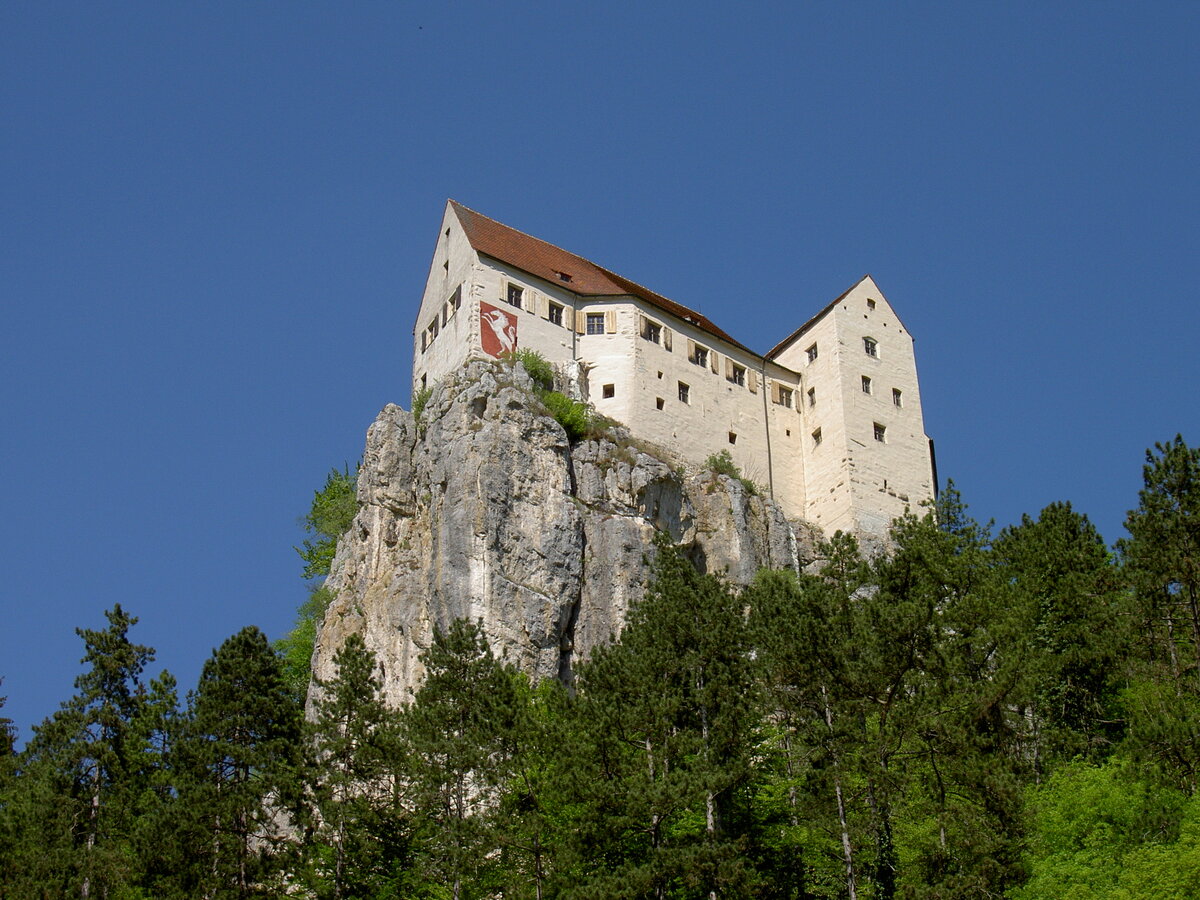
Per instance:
(897,397)
(816,438)
(812,397)
(866,385)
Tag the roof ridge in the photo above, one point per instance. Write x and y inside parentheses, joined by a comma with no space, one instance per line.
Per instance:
(532,237)
(770,354)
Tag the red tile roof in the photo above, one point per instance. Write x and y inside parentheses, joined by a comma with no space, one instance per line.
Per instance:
(545,261)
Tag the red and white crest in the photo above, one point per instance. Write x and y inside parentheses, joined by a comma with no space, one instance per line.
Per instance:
(497,330)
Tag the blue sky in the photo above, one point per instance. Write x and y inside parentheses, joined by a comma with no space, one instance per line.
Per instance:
(216,221)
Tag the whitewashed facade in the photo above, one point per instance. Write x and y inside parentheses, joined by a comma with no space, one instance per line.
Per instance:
(828,422)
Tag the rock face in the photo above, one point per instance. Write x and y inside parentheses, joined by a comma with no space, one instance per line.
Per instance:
(483,509)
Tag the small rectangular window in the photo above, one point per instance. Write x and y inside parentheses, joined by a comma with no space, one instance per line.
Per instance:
(685,393)
(871,346)
(897,399)
(456,299)
(651,331)
(700,357)
(737,374)
(515,294)
(880,433)
(812,397)
(870,303)
(732,438)
(816,436)
(866,384)
(785,396)
(595,323)
(658,402)
(608,391)
(555,314)
(812,353)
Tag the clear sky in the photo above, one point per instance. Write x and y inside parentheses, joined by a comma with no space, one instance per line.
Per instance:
(216,220)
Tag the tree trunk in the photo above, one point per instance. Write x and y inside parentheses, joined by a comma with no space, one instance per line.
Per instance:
(847,848)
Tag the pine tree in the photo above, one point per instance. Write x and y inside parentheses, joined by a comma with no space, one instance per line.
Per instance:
(664,725)
(361,838)
(235,769)
(84,777)
(456,738)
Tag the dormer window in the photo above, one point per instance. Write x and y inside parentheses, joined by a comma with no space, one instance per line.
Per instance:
(515,295)
(563,276)
(871,346)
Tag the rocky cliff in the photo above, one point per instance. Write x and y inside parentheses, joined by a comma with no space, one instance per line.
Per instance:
(483,508)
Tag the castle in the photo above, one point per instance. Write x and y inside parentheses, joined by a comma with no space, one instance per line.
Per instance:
(828,421)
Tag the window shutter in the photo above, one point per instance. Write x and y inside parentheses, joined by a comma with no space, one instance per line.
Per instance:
(666,336)
(610,321)
(714,362)
(752,380)
(568,318)
(580,321)
(543,306)
(691,348)
(728,367)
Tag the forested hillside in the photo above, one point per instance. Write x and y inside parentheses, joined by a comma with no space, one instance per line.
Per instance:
(972,715)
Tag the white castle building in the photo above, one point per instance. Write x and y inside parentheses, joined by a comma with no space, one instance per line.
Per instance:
(828,421)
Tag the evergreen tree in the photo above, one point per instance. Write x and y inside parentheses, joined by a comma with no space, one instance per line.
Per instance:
(457,744)
(235,770)
(1068,633)
(1161,558)
(83,778)
(664,731)
(360,841)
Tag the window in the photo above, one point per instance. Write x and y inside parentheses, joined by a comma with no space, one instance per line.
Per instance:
(812,353)
(897,399)
(658,402)
(563,276)
(555,314)
(651,331)
(700,357)
(871,346)
(515,293)
(870,303)
(737,374)
(608,391)
(812,397)
(595,323)
(866,384)
(732,438)
(880,433)
(785,396)
(685,393)
(816,436)
(456,300)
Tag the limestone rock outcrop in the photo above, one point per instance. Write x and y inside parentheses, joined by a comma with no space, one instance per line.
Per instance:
(482,508)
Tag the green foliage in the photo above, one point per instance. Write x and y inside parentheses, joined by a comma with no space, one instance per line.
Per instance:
(296,648)
(722,464)
(333,509)
(573,416)
(538,369)
(420,397)
(236,764)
